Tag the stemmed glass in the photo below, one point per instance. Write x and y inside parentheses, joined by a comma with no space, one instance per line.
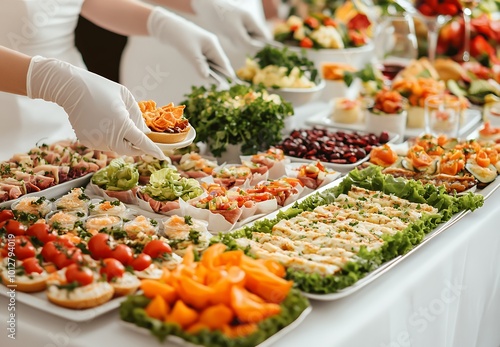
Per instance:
(433,23)
(467,7)
(432,19)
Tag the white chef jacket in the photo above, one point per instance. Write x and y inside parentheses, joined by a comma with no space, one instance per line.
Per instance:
(36,27)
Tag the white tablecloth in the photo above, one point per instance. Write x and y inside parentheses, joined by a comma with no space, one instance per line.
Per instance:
(447,294)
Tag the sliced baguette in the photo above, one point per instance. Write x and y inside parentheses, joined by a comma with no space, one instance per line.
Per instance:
(125,285)
(83,297)
(25,284)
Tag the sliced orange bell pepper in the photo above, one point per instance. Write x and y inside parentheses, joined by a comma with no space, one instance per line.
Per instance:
(215,317)
(193,293)
(196,328)
(188,258)
(182,315)
(157,308)
(248,310)
(274,267)
(210,256)
(152,288)
(230,258)
(266,285)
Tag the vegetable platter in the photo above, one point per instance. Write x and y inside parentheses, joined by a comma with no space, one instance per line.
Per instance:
(331,240)
(224,299)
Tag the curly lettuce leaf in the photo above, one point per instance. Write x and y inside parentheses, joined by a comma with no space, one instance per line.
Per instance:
(167,185)
(117,176)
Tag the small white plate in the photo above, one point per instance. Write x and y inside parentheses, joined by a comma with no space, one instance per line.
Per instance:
(186,142)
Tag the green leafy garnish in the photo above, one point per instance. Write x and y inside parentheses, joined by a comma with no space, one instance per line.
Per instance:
(117,176)
(168,185)
(244,115)
(283,57)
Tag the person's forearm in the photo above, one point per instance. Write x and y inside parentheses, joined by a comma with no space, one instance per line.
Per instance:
(13,70)
(177,5)
(125,17)
(271,8)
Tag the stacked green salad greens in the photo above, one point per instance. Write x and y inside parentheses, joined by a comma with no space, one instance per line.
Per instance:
(117,176)
(393,245)
(133,310)
(242,115)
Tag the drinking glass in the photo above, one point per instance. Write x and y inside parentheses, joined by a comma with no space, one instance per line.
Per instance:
(442,115)
(396,44)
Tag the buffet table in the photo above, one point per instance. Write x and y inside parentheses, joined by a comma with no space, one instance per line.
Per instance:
(445,294)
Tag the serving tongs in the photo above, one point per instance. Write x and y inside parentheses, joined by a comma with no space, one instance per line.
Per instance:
(223,79)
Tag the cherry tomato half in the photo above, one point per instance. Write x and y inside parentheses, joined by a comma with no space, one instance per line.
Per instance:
(14,227)
(99,246)
(122,253)
(112,268)
(42,232)
(68,256)
(141,262)
(156,248)
(6,215)
(31,265)
(82,275)
(23,248)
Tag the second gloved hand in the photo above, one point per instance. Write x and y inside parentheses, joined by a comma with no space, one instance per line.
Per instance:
(104,114)
(232,19)
(193,42)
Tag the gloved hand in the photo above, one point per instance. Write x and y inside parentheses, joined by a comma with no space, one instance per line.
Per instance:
(228,18)
(195,43)
(104,114)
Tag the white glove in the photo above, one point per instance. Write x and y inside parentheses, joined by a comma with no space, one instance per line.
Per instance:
(194,43)
(103,114)
(229,18)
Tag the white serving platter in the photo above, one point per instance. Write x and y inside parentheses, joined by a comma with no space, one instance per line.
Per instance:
(54,191)
(385,267)
(40,302)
